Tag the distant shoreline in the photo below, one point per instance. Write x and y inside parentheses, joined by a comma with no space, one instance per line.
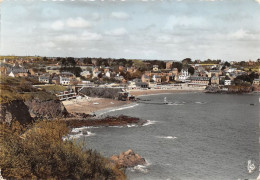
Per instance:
(161,91)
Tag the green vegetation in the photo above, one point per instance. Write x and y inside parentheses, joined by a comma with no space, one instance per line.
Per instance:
(53,88)
(246,79)
(21,89)
(40,153)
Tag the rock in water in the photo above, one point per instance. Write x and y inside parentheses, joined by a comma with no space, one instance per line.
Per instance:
(128,159)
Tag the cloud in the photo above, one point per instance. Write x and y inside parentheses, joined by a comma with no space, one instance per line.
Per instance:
(163,39)
(77,23)
(239,35)
(117,32)
(57,25)
(243,35)
(66,37)
(86,35)
(96,16)
(185,22)
(120,15)
(48,44)
(258,1)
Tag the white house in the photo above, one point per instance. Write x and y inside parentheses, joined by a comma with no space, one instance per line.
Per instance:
(231,70)
(155,68)
(44,79)
(11,74)
(227,82)
(108,74)
(96,73)
(184,75)
(86,74)
(64,80)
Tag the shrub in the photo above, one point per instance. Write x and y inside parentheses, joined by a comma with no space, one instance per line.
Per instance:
(21,89)
(41,153)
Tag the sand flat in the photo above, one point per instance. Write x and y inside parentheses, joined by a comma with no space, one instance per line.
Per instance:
(91,105)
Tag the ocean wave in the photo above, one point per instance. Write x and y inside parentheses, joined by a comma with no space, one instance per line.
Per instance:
(118,109)
(166,137)
(149,122)
(141,168)
(76,136)
(132,125)
(77,130)
(198,102)
(176,104)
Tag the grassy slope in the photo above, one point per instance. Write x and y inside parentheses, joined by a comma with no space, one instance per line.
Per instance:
(21,89)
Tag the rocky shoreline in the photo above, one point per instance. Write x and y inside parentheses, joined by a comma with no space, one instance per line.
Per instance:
(128,159)
(106,121)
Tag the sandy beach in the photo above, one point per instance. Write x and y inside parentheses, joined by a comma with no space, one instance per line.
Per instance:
(91,105)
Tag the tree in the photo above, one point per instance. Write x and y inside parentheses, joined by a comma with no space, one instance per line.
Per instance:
(71,61)
(87,60)
(44,59)
(186,61)
(177,65)
(191,70)
(247,78)
(227,64)
(163,78)
(100,75)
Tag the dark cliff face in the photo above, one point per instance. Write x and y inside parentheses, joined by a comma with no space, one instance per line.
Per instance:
(46,109)
(101,92)
(15,111)
(26,112)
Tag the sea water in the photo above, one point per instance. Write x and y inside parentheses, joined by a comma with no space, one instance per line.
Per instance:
(194,136)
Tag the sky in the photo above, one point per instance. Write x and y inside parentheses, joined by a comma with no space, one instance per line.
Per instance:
(132,29)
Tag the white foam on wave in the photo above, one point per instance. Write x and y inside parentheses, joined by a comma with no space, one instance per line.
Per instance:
(116,126)
(198,102)
(131,125)
(166,137)
(76,130)
(149,122)
(140,168)
(76,136)
(175,104)
(119,109)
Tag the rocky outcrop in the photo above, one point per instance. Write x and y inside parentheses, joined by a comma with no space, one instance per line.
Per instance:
(128,159)
(46,109)
(26,112)
(112,93)
(76,122)
(15,111)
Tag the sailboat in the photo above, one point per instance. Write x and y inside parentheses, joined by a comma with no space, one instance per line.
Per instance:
(165,100)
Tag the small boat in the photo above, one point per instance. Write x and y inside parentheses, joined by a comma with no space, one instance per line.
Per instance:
(165,100)
(252,104)
(250,166)
(95,103)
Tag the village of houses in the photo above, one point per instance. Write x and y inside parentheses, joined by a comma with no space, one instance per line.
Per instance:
(198,76)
